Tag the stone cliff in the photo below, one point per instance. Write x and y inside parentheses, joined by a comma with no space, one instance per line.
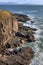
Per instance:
(8,25)
(12,36)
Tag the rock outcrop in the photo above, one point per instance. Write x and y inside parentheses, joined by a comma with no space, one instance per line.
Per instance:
(18,57)
(14,35)
(21,17)
(10,28)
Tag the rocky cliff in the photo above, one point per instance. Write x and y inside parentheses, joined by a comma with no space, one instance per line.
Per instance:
(8,26)
(12,36)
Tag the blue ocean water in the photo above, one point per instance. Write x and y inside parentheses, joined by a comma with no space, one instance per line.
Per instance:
(35,12)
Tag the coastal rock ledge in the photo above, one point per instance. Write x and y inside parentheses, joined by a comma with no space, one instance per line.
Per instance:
(12,36)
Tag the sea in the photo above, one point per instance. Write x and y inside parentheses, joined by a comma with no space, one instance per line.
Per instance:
(35,12)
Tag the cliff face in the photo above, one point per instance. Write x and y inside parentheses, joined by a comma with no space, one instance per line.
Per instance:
(12,36)
(8,25)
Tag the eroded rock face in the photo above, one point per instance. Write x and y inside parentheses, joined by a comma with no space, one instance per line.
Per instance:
(8,21)
(18,57)
(9,29)
(8,26)
(13,36)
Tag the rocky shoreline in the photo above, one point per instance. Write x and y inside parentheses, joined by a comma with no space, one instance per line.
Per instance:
(12,36)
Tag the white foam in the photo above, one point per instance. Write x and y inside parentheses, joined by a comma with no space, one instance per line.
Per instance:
(31,16)
(29,22)
(20,12)
(38,31)
(38,60)
(26,24)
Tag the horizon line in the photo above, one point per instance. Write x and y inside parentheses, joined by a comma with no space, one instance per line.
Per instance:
(15,3)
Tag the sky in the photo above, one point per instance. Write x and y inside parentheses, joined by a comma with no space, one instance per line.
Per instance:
(25,1)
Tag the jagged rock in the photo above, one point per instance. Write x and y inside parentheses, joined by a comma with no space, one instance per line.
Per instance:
(23,57)
(34,29)
(26,32)
(21,27)
(15,42)
(28,36)
(32,21)
(21,17)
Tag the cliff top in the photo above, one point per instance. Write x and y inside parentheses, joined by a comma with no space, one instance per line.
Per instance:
(2,12)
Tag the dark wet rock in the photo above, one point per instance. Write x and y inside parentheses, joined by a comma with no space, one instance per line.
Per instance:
(19,34)
(34,29)
(32,21)
(26,28)
(21,17)
(26,32)
(29,36)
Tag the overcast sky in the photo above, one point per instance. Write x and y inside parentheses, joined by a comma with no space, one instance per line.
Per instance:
(24,1)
